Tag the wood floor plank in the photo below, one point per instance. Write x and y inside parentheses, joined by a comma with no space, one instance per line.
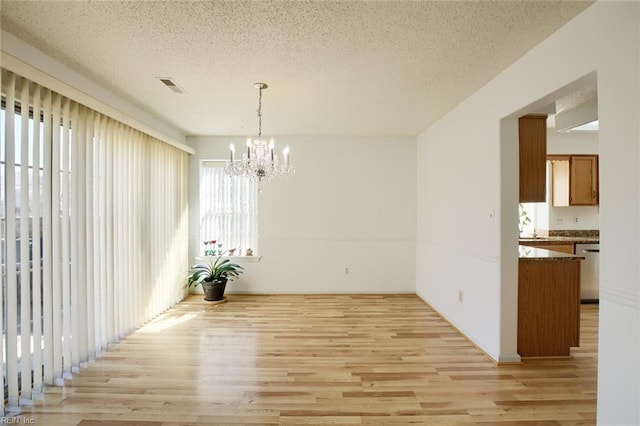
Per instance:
(318,359)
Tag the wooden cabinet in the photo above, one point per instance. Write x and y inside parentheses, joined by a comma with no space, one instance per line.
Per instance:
(532,136)
(583,180)
(574,180)
(548,307)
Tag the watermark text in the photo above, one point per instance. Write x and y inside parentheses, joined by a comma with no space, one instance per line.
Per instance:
(18,420)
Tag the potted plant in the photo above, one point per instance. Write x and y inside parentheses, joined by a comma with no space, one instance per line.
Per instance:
(524,219)
(212,274)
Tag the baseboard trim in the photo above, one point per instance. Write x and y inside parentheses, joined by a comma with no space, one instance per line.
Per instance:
(509,359)
(502,359)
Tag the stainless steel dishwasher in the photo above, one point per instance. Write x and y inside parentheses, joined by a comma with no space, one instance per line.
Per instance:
(589,272)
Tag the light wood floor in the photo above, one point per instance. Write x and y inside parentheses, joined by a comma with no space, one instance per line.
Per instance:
(297,359)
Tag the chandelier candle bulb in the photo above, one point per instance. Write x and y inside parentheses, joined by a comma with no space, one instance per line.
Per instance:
(271,146)
(232,150)
(248,147)
(285,153)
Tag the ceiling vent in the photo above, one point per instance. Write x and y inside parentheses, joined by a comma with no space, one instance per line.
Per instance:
(167,81)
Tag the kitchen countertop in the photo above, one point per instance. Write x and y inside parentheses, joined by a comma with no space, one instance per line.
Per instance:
(575,240)
(533,253)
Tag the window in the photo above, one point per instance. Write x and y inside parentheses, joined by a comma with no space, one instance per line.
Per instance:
(26,228)
(228,211)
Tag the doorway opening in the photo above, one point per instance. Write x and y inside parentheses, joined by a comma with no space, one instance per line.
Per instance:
(549,222)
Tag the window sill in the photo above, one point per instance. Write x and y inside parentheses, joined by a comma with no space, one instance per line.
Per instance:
(241,259)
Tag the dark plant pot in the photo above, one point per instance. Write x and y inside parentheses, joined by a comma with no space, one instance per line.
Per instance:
(214,290)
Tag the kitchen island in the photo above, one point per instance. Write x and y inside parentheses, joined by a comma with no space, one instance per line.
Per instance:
(548,302)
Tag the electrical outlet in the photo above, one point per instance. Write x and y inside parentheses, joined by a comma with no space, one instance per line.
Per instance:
(577,219)
(559,220)
(460,296)
(346,271)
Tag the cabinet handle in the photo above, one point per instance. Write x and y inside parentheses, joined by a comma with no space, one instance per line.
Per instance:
(593,195)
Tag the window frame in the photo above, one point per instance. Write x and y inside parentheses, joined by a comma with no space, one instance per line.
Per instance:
(244,204)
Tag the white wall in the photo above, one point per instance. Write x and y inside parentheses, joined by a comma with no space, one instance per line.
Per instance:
(588,217)
(458,240)
(574,218)
(466,169)
(351,204)
(579,143)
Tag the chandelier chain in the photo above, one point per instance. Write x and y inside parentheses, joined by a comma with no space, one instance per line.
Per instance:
(260,112)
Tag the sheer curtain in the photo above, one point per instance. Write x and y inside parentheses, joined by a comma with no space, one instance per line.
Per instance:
(228,209)
(94,243)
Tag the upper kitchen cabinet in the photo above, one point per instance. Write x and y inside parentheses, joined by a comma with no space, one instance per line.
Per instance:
(532,130)
(574,180)
(583,180)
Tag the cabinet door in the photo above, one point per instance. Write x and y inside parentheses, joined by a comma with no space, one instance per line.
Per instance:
(584,180)
(533,157)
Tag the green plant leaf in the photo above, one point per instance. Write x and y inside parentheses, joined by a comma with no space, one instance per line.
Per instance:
(210,269)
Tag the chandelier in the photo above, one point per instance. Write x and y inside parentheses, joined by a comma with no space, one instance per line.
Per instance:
(260,161)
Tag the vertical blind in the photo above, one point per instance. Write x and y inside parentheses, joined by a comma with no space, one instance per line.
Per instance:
(228,208)
(94,234)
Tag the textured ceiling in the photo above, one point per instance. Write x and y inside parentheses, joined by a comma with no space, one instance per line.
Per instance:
(348,68)
(580,97)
